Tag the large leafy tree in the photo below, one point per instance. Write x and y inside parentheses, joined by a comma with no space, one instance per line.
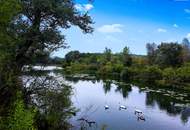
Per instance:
(72,56)
(169,54)
(35,30)
(38,27)
(29,29)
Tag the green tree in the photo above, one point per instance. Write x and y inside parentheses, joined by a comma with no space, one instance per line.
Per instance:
(8,76)
(186,50)
(169,54)
(151,74)
(108,54)
(38,26)
(34,30)
(72,56)
(29,29)
(151,52)
(126,57)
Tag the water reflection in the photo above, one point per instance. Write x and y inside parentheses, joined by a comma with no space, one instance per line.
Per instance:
(80,77)
(107,86)
(124,89)
(185,115)
(53,98)
(155,104)
(164,103)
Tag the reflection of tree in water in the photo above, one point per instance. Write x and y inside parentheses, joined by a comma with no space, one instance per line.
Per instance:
(70,78)
(168,104)
(107,86)
(52,97)
(84,121)
(75,79)
(124,89)
(185,115)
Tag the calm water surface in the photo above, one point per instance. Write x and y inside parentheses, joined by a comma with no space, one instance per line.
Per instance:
(163,109)
(160,110)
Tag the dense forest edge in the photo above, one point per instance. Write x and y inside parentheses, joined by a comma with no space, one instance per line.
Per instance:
(165,65)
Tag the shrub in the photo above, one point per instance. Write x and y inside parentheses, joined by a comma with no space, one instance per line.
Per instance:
(125,74)
(91,69)
(20,118)
(170,77)
(117,68)
(183,74)
(176,77)
(106,70)
(151,74)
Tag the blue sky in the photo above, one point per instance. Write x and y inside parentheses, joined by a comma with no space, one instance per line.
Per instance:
(132,23)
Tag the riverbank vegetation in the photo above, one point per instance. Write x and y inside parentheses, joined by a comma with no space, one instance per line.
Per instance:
(166,64)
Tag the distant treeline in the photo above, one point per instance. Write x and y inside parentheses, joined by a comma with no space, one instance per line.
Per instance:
(166,64)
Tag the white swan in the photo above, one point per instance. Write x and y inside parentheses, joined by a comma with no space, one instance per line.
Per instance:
(122,107)
(138,111)
(106,107)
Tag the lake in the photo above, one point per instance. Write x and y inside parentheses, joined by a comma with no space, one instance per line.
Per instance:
(160,109)
(163,109)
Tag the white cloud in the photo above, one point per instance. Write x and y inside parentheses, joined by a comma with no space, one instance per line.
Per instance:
(161,30)
(187,11)
(188,36)
(113,28)
(84,7)
(79,7)
(175,26)
(88,7)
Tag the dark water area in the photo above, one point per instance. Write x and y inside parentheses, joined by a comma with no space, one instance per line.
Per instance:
(162,109)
